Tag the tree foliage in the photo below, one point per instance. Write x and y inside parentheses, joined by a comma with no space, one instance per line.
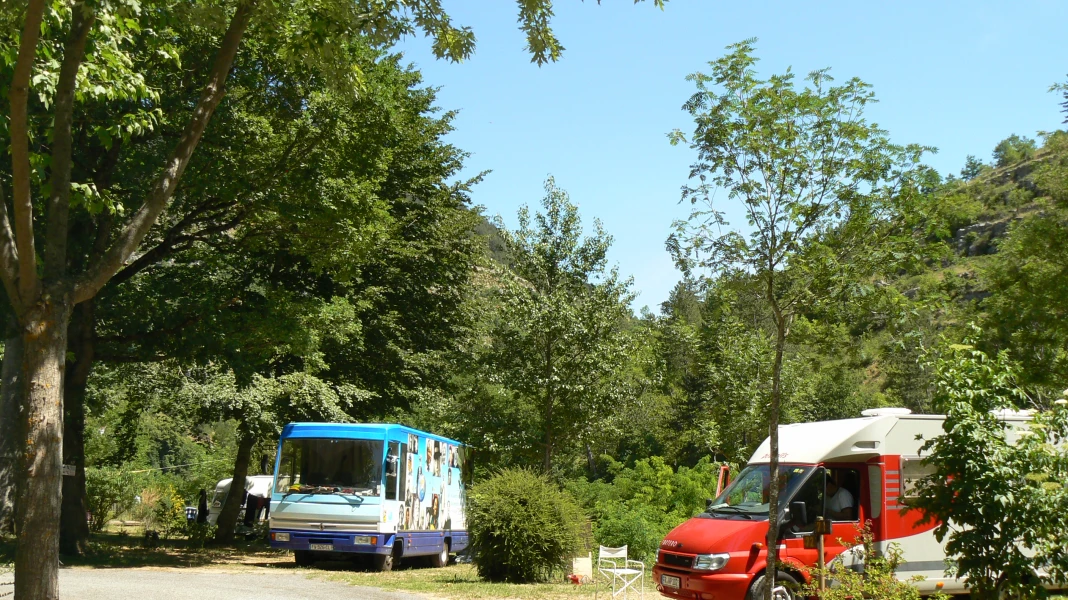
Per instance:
(999,511)
(1014,149)
(818,185)
(558,338)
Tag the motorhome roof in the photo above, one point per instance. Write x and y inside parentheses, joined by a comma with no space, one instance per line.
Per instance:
(812,443)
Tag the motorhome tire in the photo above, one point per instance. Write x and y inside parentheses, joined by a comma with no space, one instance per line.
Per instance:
(441,559)
(783,578)
(303,558)
(384,562)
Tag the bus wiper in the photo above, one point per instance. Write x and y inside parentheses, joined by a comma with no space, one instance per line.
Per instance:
(732,510)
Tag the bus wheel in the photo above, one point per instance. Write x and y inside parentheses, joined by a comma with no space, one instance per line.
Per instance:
(441,559)
(303,558)
(786,587)
(384,562)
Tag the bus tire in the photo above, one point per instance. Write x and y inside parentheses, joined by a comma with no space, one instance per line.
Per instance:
(384,562)
(441,559)
(783,578)
(303,558)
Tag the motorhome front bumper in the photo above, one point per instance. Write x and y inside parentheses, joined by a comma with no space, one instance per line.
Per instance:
(327,541)
(703,586)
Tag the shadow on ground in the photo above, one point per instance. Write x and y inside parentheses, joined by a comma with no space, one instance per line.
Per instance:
(117,550)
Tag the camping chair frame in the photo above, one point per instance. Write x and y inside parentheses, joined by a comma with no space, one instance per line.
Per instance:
(621,572)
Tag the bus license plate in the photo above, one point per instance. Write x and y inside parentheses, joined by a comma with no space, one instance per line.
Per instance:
(323,547)
(670,581)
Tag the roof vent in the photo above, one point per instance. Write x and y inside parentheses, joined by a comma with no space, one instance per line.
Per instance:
(883,412)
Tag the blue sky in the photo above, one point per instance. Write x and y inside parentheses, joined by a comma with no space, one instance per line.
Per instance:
(960,76)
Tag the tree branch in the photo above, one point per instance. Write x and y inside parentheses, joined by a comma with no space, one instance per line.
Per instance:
(20,154)
(55,259)
(132,235)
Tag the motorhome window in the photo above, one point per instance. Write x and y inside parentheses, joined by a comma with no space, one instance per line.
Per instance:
(811,493)
(314,465)
(912,470)
(843,504)
(875,487)
(748,493)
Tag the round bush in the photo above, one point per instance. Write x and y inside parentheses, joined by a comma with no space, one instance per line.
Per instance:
(523,527)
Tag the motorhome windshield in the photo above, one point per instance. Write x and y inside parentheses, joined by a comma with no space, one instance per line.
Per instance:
(324,466)
(747,495)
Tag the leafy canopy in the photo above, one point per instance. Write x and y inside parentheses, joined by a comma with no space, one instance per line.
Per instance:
(558,337)
(999,511)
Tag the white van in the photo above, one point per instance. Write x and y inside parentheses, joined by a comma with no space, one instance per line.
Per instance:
(257,485)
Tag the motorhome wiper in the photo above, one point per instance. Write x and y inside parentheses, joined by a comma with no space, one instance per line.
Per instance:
(733,510)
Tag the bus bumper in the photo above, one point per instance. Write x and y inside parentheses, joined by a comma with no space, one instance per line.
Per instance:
(323,541)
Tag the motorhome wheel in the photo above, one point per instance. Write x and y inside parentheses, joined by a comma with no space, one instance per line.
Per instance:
(786,587)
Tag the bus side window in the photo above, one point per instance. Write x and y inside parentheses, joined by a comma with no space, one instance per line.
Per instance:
(392,470)
(402,482)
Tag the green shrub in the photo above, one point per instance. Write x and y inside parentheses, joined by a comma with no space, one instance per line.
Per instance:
(523,527)
(169,512)
(878,580)
(199,534)
(110,493)
(643,503)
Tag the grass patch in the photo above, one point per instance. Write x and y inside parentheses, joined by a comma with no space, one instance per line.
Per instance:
(461,582)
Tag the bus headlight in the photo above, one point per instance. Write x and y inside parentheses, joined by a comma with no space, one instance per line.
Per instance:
(280,536)
(710,562)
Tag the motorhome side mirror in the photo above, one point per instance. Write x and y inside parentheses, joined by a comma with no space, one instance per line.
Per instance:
(798,512)
(391,466)
(709,501)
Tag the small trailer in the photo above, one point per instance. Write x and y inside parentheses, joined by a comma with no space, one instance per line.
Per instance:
(720,554)
(384,491)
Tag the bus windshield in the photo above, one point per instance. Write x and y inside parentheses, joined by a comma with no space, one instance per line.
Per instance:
(747,495)
(330,466)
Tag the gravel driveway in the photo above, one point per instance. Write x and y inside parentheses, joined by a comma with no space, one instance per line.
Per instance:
(204,584)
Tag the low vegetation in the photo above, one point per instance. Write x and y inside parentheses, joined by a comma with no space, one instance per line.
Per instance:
(523,528)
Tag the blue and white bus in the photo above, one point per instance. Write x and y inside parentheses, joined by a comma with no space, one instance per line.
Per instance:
(388,491)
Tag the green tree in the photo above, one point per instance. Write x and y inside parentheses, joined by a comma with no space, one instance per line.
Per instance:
(972,168)
(74,54)
(1014,149)
(326,190)
(814,179)
(997,510)
(558,336)
(1063,88)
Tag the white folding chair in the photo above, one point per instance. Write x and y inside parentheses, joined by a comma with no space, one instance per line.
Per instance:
(620,572)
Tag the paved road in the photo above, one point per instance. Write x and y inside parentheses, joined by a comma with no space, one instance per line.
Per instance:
(204,584)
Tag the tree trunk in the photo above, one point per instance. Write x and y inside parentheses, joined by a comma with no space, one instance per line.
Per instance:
(74,527)
(44,346)
(10,385)
(773,467)
(228,517)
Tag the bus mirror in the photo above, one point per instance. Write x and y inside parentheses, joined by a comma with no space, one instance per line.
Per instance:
(798,512)
(391,466)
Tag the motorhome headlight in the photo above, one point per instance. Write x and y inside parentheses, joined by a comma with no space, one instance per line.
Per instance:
(280,536)
(710,562)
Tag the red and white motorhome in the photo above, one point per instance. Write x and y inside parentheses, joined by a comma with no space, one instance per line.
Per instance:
(720,554)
